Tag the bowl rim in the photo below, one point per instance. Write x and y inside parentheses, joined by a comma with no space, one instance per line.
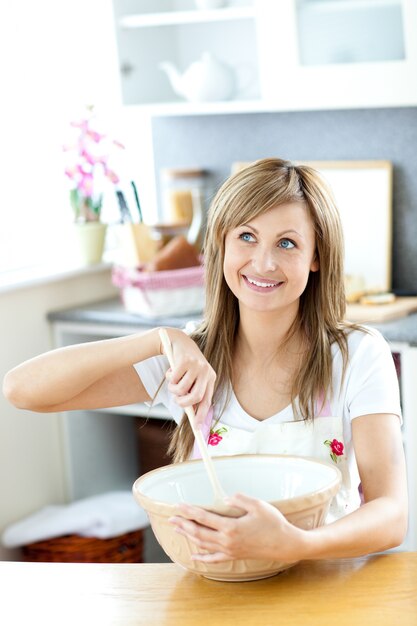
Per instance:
(285,505)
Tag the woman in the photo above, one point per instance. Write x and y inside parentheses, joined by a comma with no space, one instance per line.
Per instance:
(273,367)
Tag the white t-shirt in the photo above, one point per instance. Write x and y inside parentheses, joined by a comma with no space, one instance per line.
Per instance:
(369,386)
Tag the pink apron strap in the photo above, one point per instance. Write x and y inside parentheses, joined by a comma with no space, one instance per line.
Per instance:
(205,429)
(323,410)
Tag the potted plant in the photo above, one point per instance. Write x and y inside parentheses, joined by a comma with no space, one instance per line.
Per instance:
(88,170)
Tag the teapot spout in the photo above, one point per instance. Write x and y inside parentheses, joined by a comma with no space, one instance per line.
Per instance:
(174,76)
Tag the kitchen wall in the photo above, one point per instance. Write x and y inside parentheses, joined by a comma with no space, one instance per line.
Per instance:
(216,141)
(31,462)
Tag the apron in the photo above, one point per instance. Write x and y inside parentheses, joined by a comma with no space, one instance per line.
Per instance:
(321,438)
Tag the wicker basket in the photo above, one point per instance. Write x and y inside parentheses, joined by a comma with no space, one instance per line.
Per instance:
(127,548)
(161,294)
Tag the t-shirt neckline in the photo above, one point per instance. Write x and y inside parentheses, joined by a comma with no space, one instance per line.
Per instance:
(278,417)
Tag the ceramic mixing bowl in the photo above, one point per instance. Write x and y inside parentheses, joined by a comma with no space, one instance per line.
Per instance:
(301,488)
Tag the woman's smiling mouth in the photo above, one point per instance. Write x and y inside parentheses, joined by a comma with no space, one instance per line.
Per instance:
(261,285)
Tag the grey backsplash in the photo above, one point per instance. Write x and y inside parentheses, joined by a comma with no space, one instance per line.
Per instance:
(216,141)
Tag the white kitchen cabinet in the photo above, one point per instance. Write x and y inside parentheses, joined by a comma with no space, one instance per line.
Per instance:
(100,447)
(330,54)
(287,55)
(180,33)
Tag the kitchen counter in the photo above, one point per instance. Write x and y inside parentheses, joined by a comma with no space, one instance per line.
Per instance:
(112,312)
(402,330)
(376,590)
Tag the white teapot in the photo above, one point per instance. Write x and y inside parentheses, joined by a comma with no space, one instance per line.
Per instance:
(206,80)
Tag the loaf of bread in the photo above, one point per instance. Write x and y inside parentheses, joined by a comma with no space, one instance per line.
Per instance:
(175,255)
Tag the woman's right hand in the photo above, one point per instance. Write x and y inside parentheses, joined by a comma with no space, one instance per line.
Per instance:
(192,379)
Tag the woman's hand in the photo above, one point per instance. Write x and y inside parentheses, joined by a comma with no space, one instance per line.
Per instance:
(192,379)
(262,532)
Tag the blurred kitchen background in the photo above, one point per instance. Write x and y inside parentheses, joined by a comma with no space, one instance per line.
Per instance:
(184,92)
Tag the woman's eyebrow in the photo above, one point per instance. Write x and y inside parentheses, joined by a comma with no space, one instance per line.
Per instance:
(284,232)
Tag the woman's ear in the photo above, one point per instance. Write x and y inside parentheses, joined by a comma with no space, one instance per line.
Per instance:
(315,264)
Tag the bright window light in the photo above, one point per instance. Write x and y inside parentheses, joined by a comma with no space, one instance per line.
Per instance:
(56,57)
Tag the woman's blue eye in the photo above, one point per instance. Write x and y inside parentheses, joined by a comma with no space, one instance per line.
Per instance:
(246,237)
(287,244)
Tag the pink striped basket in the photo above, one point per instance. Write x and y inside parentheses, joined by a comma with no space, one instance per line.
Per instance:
(161,294)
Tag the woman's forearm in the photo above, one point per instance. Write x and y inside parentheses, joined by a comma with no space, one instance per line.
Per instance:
(56,376)
(376,526)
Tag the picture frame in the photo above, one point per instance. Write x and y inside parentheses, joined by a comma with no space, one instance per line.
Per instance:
(363,195)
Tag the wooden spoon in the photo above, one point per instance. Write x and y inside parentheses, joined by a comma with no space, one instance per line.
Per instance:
(219,505)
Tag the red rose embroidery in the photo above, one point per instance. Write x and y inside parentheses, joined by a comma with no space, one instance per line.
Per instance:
(336,449)
(216,436)
(214,439)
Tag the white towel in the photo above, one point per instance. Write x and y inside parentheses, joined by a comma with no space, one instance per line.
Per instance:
(103,516)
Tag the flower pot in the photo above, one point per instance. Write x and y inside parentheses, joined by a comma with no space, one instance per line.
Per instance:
(90,238)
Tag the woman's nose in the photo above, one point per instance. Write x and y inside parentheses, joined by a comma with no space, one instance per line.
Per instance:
(264,260)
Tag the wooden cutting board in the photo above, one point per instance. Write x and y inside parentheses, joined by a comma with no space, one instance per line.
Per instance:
(381,312)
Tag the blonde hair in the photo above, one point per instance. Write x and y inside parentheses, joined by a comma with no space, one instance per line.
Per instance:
(261,186)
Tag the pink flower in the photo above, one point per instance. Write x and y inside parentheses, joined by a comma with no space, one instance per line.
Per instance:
(90,158)
(337,447)
(86,185)
(71,172)
(82,124)
(118,144)
(87,153)
(216,436)
(112,176)
(94,135)
(214,439)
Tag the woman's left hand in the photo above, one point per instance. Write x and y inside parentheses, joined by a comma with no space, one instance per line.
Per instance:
(261,532)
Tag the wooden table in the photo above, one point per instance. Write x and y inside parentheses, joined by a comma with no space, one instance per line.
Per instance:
(380,590)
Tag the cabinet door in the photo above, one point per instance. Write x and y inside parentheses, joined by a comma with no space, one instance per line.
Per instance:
(318,54)
(151,34)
